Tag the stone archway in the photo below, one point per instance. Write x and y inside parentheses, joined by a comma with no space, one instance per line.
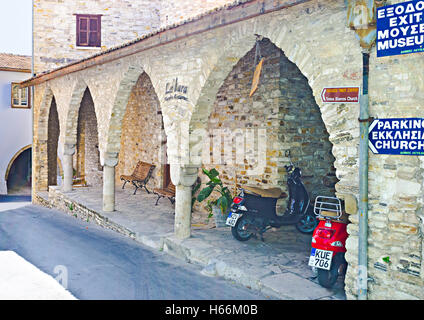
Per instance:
(71,123)
(40,142)
(141,132)
(110,156)
(52,143)
(282,114)
(24,171)
(86,162)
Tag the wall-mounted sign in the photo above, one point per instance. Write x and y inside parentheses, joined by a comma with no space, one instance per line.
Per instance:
(340,95)
(397,136)
(400,28)
(174,90)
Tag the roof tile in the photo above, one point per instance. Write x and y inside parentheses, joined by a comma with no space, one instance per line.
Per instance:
(15,61)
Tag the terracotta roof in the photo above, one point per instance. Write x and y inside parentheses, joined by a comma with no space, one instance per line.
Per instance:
(15,61)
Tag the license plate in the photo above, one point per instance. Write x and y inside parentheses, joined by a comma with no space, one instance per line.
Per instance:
(320,259)
(232,219)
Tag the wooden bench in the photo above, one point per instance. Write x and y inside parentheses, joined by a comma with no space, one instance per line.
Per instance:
(140,176)
(168,192)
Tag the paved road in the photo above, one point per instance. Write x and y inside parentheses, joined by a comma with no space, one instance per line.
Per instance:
(102,264)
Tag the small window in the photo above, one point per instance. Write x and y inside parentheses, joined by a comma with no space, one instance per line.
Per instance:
(88,30)
(20,96)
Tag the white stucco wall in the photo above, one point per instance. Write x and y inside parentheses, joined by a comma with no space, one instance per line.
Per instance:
(15,124)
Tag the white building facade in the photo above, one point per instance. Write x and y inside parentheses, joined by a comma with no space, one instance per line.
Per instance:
(15,114)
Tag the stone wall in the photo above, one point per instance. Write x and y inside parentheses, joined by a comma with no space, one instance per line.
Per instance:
(55,27)
(121,21)
(285,108)
(396,194)
(52,145)
(86,157)
(141,133)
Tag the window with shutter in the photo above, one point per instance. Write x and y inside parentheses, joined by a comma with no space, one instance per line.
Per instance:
(19,96)
(88,30)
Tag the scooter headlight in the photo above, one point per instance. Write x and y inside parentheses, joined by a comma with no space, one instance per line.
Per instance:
(313,240)
(337,244)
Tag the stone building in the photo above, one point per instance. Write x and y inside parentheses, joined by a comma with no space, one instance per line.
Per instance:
(189,83)
(67,31)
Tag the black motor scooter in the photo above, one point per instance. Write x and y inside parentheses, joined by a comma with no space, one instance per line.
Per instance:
(253,211)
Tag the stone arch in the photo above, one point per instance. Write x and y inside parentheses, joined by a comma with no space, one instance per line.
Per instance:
(41,141)
(53,132)
(142,133)
(307,59)
(114,130)
(43,116)
(243,41)
(282,106)
(86,160)
(71,122)
(18,172)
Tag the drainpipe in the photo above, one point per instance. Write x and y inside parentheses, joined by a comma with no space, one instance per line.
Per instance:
(31,92)
(363,181)
(361,17)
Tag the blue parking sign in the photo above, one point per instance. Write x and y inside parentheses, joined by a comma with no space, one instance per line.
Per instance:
(400,136)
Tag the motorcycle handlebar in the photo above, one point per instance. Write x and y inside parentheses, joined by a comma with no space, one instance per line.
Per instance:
(288,168)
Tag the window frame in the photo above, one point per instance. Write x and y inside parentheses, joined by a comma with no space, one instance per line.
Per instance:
(89,17)
(28,96)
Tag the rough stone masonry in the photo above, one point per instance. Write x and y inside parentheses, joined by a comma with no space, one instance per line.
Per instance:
(202,53)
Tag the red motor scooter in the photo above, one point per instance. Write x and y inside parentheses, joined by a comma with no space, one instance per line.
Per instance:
(328,241)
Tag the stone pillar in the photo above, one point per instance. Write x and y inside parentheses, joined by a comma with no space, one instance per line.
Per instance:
(68,152)
(183,177)
(110,161)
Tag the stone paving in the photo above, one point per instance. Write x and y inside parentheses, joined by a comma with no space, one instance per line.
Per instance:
(277,267)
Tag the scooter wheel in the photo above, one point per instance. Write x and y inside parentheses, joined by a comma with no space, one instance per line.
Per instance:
(239,230)
(307,224)
(327,278)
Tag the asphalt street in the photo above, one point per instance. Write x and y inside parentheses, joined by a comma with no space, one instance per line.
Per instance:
(96,263)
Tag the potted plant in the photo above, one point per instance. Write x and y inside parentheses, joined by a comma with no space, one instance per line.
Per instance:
(217,207)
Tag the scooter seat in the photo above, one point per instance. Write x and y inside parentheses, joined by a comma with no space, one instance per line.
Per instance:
(267,193)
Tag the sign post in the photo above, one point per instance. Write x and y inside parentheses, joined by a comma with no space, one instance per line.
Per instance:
(398,136)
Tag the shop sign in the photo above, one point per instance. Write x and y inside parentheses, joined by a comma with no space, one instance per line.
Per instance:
(175,90)
(400,28)
(400,136)
(340,95)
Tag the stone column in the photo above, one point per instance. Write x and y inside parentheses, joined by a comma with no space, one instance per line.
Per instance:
(183,177)
(68,152)
(110,161)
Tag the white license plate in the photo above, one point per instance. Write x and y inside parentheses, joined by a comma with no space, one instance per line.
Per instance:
(320,258)
(232,220)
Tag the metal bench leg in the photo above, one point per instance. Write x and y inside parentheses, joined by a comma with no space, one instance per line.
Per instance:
(146,189)
(136,187)
(157,200)
(123,186)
